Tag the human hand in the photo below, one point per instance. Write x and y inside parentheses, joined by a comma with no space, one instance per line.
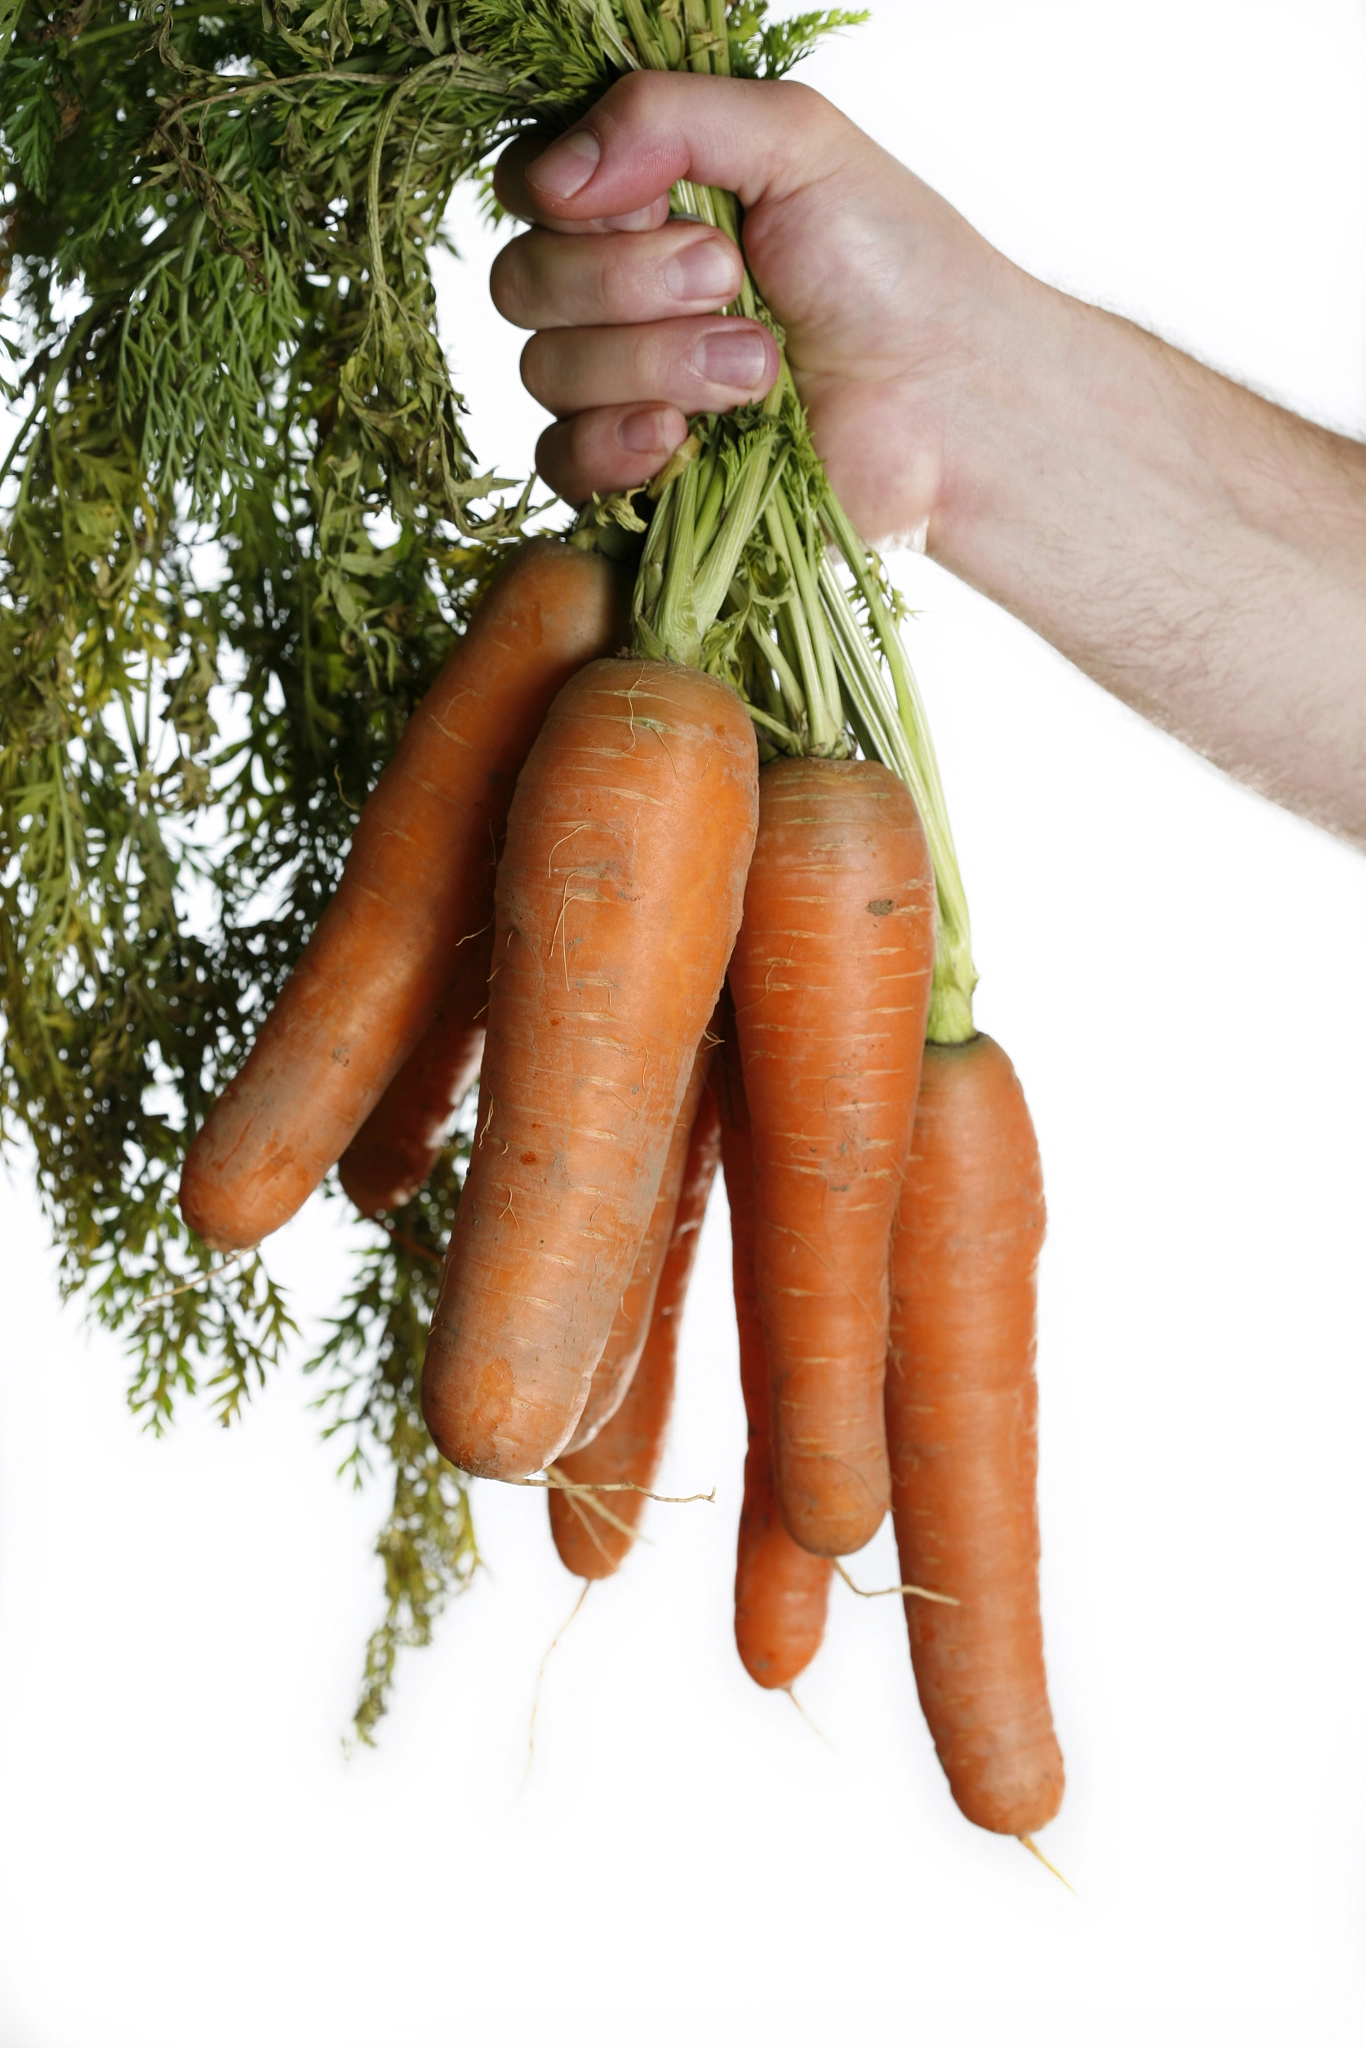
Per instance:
(883,290)
(1195,549)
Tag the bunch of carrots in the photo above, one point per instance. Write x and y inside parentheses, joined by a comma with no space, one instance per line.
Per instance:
(662,861)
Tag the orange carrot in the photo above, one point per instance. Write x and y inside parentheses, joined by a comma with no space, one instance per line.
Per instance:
(618,900)
(962,1434)
(418,880)
(397,1146)
(627,1449)
(831,980)
(781,1590)
(630,1326)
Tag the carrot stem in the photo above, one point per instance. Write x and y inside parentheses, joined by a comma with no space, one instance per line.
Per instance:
(739,575)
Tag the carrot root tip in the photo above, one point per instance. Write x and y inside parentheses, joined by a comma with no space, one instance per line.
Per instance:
(819,1733)
(1028,1842)
(571,1617)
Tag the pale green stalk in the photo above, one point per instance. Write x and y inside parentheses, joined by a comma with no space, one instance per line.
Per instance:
(749,502)
(758,546)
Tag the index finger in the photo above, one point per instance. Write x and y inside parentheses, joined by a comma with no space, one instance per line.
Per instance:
(512,192)
(761,139)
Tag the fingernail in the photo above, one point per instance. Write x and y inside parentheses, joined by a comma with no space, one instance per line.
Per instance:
(733,356)
(643,433)
(565,168)
(704,270)
(631,223)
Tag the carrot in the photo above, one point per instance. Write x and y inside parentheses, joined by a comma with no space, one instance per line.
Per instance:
(781,1590)
(628,1448)
(397,1146)
(418,880)
(631,1325)
(618,900)
(962,1433)
(831,980)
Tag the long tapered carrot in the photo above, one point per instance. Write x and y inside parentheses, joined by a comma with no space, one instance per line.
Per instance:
(418,880)
(781,1590)
(631,1324)
(397,1146)
(618,899)
(962,1434)
(626,1451)
(831,980)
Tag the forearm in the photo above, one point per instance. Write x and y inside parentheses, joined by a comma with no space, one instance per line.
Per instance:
(1197,550)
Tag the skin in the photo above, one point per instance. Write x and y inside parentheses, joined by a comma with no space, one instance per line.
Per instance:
(831,983)
(616,1369)
(962,1434)
(400,1141)
(631,1445)
(418,881)
(781,1590)
(618,899)
(1196,549)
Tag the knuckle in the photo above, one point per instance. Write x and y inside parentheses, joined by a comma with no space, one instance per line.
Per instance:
(802,106)
(652,362)
(632,97)
(803,100)
(617,284)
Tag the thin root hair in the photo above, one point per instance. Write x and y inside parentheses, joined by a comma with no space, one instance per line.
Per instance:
(886,1592)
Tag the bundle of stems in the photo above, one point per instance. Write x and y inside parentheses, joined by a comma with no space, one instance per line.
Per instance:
(240,521)
(739,573)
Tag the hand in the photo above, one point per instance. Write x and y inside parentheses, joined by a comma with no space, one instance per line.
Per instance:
(1198,551)
(880,285)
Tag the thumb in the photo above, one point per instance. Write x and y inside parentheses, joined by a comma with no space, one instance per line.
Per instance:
(759,139)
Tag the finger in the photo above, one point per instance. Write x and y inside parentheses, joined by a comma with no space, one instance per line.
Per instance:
(511,191)
(616,448)
(554,280)
(697,365)
(759,139)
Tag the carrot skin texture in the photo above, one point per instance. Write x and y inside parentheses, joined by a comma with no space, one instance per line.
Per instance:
(781,1590)
(417,881)
(626,1339)
(400,1141)
(628,1448)
(831,979)
(962,1431)
(618,899)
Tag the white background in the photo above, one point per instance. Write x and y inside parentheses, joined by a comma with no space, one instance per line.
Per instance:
(1179,973)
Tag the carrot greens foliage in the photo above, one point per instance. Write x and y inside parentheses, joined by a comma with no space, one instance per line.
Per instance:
(240,519)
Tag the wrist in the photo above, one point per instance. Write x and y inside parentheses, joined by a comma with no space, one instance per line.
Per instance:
(1010,421)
